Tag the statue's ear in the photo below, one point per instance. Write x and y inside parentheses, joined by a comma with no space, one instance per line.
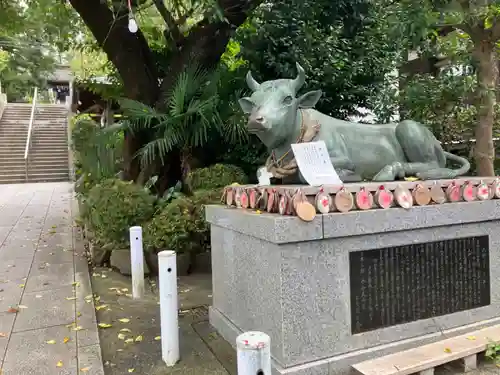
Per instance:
(246,105)
(310,99)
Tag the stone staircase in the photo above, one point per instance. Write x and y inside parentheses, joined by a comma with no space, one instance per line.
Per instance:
(48,156)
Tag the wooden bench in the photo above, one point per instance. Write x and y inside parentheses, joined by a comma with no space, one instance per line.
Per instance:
(425,358)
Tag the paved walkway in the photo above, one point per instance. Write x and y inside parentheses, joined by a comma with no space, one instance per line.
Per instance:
(47,316)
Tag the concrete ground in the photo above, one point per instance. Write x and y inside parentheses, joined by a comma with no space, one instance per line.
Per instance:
(47,318)
(203,352)
(48,322)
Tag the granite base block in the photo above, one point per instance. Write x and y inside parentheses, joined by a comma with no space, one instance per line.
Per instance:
(291,280)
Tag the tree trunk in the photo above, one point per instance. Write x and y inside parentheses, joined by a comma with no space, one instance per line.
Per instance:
(487,75)
(133,59)
(186,159)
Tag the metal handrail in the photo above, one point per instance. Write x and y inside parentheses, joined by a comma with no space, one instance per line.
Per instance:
(30,128)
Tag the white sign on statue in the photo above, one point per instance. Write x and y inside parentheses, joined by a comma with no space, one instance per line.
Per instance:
(264,176)
(314,163)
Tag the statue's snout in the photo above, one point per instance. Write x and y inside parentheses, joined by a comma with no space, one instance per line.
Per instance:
(256,122)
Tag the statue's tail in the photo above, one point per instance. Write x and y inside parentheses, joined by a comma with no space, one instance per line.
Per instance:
(439,173)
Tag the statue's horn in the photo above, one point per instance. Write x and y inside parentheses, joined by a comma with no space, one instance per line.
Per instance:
(301,78)
(251,82)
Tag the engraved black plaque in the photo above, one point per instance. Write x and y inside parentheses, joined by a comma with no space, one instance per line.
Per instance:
(402,284)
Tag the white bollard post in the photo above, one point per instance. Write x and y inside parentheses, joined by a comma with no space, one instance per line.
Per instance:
(254,353)
(169,314)
(137,262)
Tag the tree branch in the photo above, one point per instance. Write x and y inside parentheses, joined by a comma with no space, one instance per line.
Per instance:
(495,30)
(129,53)
(172,26)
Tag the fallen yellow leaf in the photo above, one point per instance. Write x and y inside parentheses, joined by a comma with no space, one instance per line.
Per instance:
(157,338)
(472,338)
(138,338)
(76,283)
(128,341)
(71,325)
(21,285)
(22,307)
(105,325)
(59,364)
(121,336)
(77,328)
(70,298)
(131,370)
(125,330)
(124,320)
(411,179)
(447,350)
(100,307)
(124,290)
(258,212)
(85,369)
(66,339)
(51,342)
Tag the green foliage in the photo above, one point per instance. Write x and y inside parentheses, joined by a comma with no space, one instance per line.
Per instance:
(181,224)
(493,351)
(172,227)
(342,45)
(191,115)
(216,176)
(33,34)
(97,153)
(112,207)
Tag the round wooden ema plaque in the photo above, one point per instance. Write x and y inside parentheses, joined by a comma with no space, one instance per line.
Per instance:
(421,195)
(344,201)
(253,198)
(264,196)
(283,204)
(289,207)
(306,211)
(244,199)
(323,202)
(403,197)
(230,197)
(453,192)
(468,192)
(495,188)
(437,194)
(271,200)
(364,199)
(483,191)
(237,197)
(384,197)
(297,197)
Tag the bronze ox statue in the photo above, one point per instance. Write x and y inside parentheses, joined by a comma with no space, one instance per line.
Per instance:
(377,152)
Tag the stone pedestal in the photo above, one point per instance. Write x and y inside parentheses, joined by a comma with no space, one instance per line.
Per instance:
(327,302)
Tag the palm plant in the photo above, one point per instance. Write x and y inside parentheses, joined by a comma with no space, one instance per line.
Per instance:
(191,115)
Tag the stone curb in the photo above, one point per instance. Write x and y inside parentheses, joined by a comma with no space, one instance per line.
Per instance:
(88,343)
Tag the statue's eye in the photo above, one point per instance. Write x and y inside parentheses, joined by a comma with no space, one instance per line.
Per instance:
(288,100)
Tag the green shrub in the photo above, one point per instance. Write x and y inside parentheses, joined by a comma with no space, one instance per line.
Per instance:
(112,207)
(83,129)
(180,225)
(171,227)
(97,153)
(216,176)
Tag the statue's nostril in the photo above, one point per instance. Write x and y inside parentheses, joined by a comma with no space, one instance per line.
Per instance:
(260,119)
